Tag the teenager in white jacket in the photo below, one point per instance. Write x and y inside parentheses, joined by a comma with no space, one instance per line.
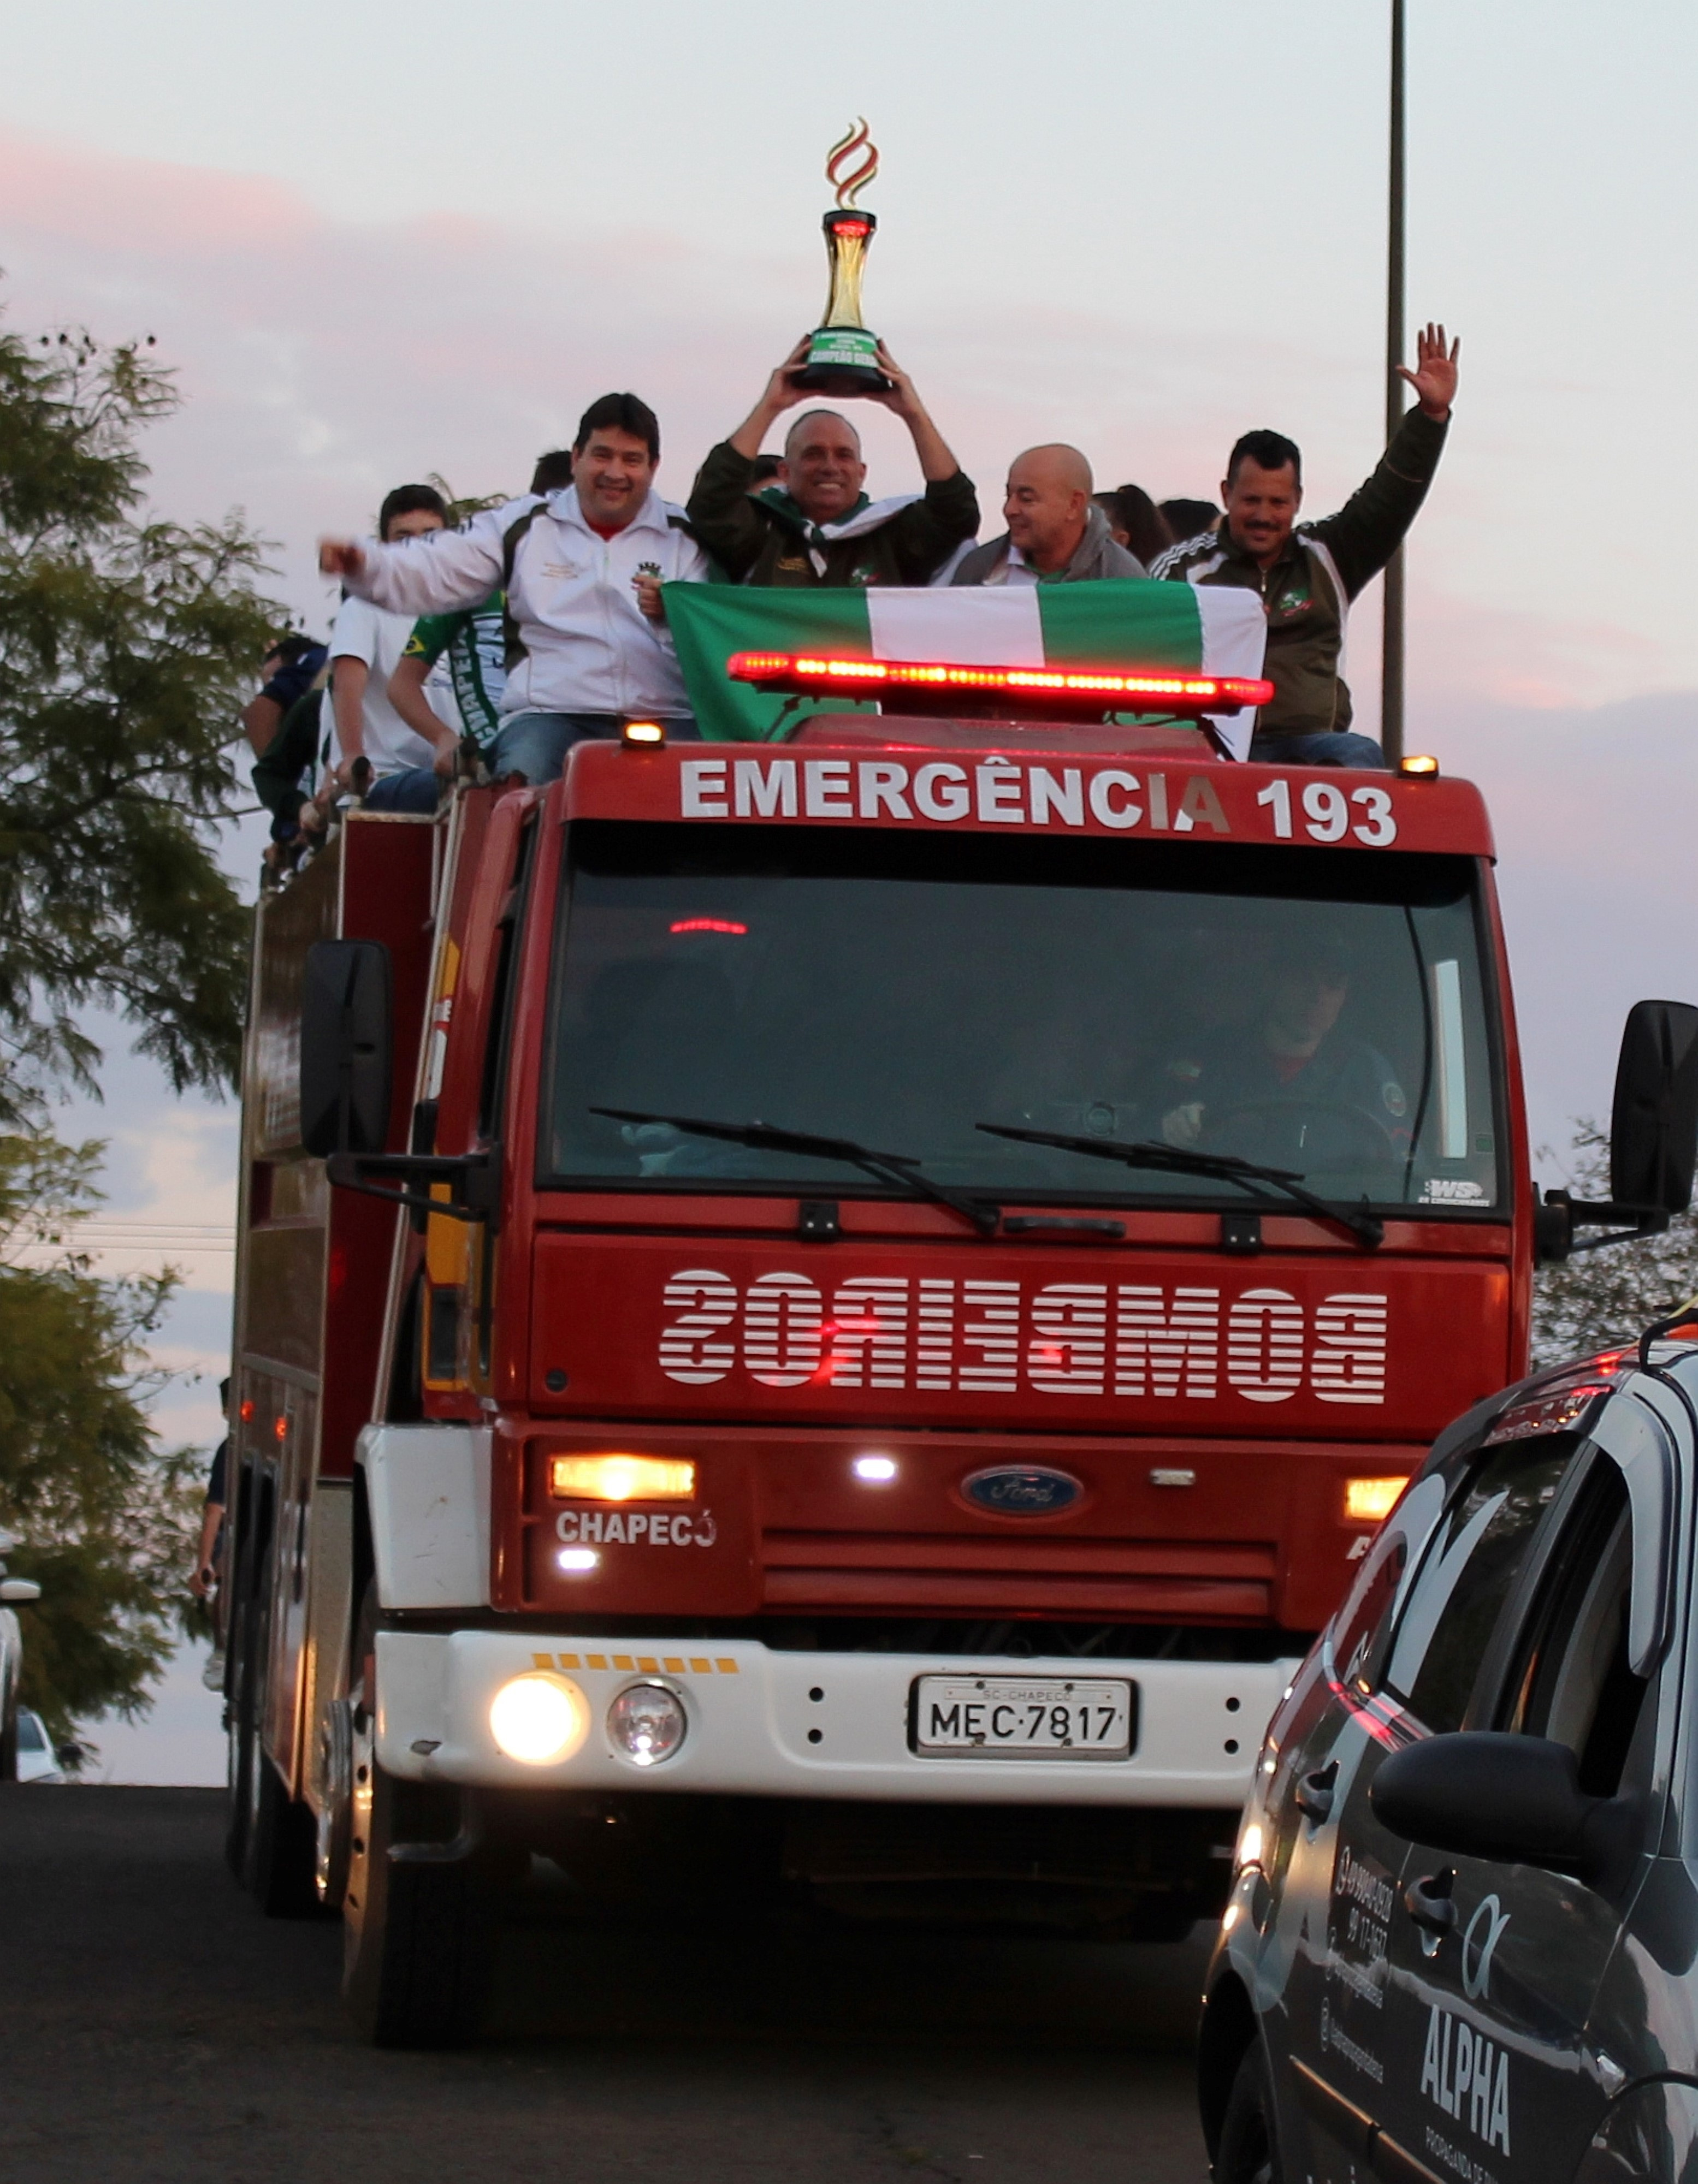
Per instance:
(570,564)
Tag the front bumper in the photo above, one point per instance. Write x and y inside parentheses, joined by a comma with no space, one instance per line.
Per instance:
(813,1725)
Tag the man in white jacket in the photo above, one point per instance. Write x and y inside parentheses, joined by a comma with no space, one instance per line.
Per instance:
(585,658)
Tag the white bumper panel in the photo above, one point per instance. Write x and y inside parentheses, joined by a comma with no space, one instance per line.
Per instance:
(427,1488)
(751,1711)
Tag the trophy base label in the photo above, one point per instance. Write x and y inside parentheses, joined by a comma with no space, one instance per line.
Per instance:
(835,348)
(843,360)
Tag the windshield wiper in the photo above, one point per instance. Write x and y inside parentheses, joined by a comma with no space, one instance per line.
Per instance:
(888,1167)
(1368,1228)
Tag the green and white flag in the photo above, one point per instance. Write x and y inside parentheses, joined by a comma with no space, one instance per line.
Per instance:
(1122,624)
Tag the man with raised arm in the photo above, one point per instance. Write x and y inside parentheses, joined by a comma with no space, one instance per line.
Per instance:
(815,524)
(1056,534)
(1308,574)
(584,657)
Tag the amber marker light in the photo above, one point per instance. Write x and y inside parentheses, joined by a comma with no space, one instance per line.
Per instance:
(643,732)
(621,1478)
(1419,766)
(1368,1500)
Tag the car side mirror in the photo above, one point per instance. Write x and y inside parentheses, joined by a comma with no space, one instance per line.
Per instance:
(1654,1118)
(1516,1800)
(17,1589)
(347,1047)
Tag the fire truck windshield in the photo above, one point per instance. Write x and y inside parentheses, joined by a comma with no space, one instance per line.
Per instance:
(1322,1012)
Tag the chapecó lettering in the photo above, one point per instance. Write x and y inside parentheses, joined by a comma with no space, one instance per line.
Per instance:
(659,1527)
(1131,1340)
(1000,792)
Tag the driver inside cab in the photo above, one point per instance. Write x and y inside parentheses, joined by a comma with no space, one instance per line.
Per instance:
(1293,1088)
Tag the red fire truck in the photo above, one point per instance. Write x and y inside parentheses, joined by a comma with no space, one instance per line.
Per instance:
(844,1304)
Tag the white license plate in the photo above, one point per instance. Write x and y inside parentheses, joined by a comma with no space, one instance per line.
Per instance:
(1022,1718)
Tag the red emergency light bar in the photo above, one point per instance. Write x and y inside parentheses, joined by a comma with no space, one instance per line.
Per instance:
(1091,689)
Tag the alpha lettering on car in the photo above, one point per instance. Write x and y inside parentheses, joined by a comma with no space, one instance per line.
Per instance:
(1135,1340)
(1468,2075)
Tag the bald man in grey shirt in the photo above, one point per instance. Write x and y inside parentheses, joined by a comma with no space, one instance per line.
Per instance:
(1056,534)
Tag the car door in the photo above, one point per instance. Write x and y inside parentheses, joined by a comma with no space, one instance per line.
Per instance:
(1332,1868)
(1494,1965)
(1346,2035)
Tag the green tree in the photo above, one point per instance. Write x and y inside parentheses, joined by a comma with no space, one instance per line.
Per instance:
(1596,1300)
(126,644)
(102,1518)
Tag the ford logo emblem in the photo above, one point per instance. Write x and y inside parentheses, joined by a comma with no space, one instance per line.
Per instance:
(1022,1490)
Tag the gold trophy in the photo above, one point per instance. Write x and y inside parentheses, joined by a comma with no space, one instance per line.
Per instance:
(842,358)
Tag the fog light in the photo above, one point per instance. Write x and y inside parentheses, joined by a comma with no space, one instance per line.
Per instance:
(1368,1500)
(622,1477)
(539,1718)
(646,1723)
(643,732)
(877,1470)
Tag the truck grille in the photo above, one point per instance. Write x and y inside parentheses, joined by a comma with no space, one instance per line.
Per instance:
(1179,1581)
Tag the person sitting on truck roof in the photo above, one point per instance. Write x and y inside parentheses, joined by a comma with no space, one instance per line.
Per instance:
(1056,534)
(366,645)
(814,524)
(472,642)
(583,658)
(287,672)
(1185,519)
(1308,574)
(1135,522)
(1292,1089)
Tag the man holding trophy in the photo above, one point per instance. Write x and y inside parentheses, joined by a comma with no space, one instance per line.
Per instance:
(815,525)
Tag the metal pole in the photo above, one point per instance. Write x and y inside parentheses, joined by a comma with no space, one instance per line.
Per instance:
(1391,656)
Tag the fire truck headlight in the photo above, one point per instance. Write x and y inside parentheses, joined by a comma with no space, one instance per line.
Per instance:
(539,1718)
(647,1723)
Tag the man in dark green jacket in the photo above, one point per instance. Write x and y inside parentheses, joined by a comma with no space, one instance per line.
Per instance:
(816,524)
(1308,574)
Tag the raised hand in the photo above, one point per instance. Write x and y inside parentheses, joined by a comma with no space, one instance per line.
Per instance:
(782,391)
(899,395)
(340,557)
(1434,376)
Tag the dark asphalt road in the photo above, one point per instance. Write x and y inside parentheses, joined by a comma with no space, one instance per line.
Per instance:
(153,2026)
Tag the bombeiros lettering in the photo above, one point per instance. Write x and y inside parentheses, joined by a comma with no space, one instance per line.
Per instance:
(998,791)
(1129,1341)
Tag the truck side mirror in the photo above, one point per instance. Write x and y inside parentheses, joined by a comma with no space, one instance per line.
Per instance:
(1654,1120)
(347,1047)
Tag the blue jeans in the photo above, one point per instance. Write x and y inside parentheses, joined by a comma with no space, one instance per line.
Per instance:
(410,788)
(535,744)
(1339,749)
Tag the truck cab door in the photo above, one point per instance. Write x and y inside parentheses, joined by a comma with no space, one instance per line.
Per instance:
(1496,1966)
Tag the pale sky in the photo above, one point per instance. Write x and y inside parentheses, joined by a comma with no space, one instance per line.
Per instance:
(378,240)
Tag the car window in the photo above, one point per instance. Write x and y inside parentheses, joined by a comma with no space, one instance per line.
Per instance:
(1571,1679)
(1354,1642)
(29,1736)
(1466,1575)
